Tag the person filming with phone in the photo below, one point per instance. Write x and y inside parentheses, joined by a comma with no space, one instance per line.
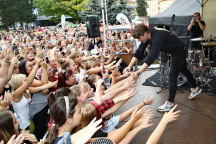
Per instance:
(197,26)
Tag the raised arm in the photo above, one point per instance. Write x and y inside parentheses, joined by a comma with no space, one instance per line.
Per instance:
(29,80)
(133,61)
(44,76)
(122,132)
(168,117)
(43,87)
(11,68)
(113,93)
(4,70)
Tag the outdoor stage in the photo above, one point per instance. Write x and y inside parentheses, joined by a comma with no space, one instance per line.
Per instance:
(196,124)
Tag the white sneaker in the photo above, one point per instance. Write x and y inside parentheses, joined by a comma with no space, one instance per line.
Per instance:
(165,107)
(200,64)
(194,93)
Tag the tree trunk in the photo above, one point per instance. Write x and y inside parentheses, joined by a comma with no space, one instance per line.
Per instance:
(6,23)
(14,27)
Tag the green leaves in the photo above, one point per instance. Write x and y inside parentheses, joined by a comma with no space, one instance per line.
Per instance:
(56,8)
(141,8)
(114,7)
(12,11)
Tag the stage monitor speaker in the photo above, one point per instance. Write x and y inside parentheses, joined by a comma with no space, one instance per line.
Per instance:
(92,24)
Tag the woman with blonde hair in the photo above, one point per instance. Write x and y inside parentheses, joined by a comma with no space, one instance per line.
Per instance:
(21,98)
(54,52)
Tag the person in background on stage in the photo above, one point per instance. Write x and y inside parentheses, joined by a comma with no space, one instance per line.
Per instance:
(197,27)
(162,40)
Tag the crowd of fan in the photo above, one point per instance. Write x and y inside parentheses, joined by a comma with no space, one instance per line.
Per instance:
(60,86)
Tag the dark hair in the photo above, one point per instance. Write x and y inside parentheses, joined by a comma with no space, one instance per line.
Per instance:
(197,13)
(91,79)
(58,113)
(62,77)
(58,93)
(7,129)
(22,68)
(139,30)
(66,64)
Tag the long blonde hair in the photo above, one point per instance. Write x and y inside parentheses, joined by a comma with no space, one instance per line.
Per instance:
(89,112)
(16,81)
(53,51)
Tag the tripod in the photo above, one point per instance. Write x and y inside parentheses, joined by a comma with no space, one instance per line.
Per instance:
(207,71)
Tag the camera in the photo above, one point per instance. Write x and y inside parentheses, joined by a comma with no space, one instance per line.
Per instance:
(194,17)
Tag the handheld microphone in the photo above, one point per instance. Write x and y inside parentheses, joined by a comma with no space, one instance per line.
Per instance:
(173,16)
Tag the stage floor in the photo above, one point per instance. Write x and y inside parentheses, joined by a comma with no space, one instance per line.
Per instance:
(196,124)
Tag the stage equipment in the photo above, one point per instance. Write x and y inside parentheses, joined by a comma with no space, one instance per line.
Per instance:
(92,24)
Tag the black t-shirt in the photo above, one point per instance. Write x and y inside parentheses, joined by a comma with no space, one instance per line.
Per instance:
(196,31)
(161,41)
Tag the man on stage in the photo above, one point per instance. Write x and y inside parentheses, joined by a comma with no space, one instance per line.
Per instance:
(162,40)
(197,27)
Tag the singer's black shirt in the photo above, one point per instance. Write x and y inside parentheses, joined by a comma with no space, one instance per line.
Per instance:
(196,31)
(161,41)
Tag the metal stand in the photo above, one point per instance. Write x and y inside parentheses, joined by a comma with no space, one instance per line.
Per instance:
(204,79)
(162,78)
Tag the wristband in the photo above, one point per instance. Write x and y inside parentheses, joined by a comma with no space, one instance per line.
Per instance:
(138,73)
(144,103)
(6,61)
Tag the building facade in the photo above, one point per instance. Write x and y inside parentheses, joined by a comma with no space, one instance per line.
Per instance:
(157,6)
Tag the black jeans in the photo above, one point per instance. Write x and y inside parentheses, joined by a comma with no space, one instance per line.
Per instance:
(40,120)
(178,64)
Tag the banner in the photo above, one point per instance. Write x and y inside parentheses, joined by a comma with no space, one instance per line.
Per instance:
(63,21)
(122,19)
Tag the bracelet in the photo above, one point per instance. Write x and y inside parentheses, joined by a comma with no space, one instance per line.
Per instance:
(138,73)
(144,103)
(36,67)
(6,61)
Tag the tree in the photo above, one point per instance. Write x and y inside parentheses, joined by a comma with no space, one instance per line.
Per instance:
(141,8)
(120,6)
(114,7)
(12,11)
(92,7)
(56,8)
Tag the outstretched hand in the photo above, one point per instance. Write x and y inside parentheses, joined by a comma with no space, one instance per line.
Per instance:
(171,115)
(89,131)
(6,101)
(148,101)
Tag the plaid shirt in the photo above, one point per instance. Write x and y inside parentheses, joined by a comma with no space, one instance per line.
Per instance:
(106,105)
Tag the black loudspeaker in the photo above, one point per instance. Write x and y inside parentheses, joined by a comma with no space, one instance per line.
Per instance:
(92,24)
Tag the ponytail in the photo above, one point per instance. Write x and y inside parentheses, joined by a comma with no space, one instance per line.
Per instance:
(52,135)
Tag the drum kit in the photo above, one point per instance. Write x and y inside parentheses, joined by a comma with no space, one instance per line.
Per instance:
(205,75)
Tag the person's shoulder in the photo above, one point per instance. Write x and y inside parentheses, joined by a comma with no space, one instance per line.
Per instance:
(203,22)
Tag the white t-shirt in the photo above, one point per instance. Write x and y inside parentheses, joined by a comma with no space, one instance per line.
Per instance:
(110,124)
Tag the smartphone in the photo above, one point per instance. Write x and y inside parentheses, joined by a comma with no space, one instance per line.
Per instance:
(34,47)
(60,49)
(42,46)
(64,37)
(63,53)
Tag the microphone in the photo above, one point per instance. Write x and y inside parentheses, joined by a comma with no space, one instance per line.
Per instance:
(173,16)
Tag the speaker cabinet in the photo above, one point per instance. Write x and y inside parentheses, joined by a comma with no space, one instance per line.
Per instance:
(92,24)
